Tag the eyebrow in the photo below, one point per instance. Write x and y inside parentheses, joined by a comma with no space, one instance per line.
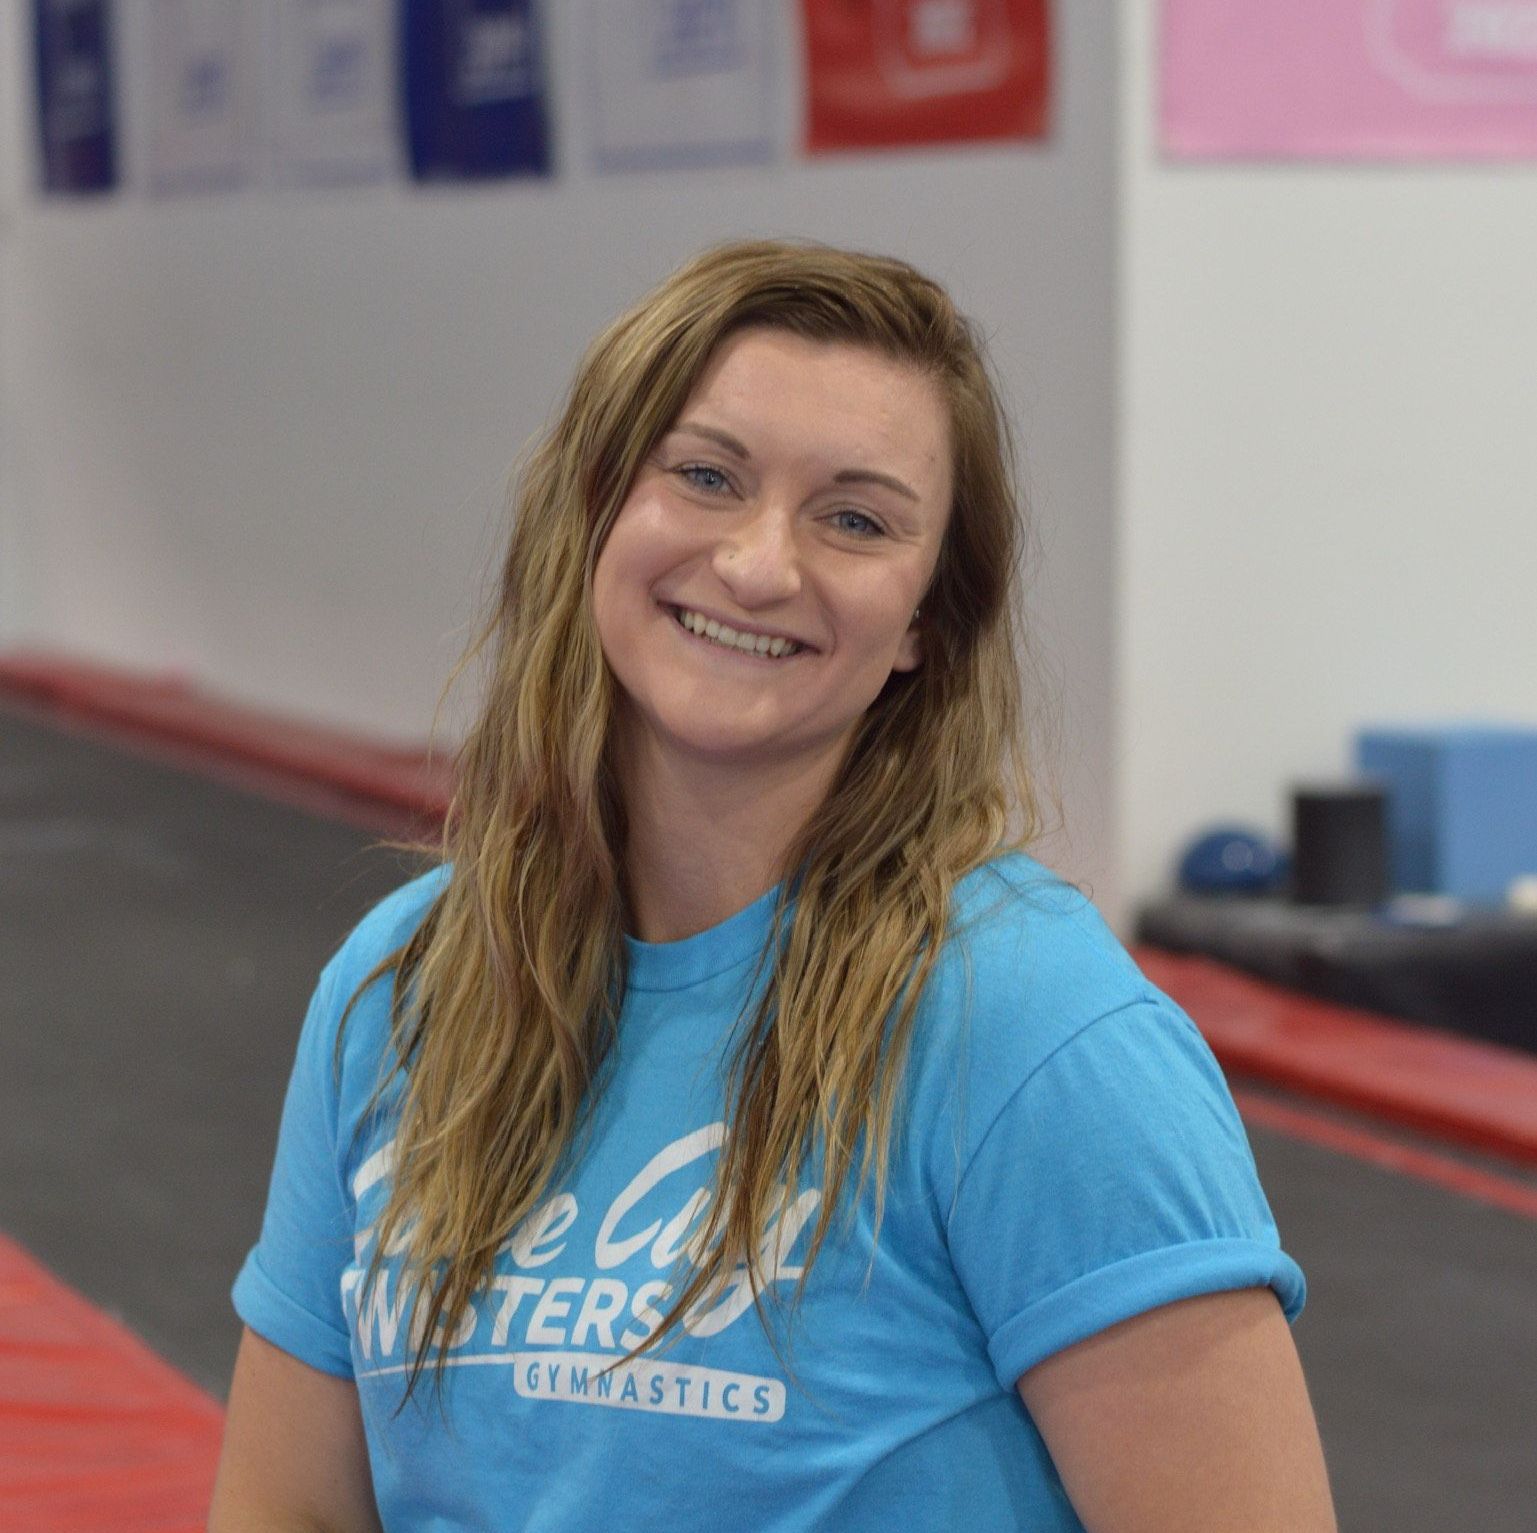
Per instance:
(843,476)
(871,476)
(710,433)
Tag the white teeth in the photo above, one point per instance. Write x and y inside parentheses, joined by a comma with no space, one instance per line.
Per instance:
(748,643)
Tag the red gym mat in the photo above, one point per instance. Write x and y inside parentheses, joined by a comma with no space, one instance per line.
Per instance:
(395,786)
(96,1432)
(1462,1089)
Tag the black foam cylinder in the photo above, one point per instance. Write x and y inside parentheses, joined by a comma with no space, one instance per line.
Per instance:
(1340,844)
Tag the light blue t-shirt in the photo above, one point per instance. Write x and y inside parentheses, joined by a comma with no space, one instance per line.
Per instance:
(1069,1156)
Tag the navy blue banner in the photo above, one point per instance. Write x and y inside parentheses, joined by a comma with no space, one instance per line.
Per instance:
(474,88)
(75,113)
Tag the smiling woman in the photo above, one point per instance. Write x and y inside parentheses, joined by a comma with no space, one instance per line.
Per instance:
(791,520)
(738,1116)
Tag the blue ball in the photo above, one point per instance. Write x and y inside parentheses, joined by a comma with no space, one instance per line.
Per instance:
(1231,859)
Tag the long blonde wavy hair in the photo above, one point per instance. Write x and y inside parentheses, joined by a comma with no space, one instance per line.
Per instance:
(506,999)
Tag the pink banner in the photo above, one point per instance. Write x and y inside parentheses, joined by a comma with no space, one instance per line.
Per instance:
(1349,79)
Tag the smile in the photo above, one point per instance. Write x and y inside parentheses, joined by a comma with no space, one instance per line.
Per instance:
(767,646)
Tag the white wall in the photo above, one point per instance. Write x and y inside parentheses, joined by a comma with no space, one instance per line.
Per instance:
(1328,482)
(263,438)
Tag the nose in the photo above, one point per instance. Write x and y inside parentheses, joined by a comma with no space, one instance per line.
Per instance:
(757,558)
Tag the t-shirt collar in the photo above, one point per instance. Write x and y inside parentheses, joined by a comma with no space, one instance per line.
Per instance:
(691,961)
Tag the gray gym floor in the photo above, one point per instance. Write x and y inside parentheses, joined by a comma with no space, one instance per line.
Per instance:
(159,934)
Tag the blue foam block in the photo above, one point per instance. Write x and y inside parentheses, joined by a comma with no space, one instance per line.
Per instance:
(1462,805)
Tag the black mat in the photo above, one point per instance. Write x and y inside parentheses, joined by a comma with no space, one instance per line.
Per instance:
(1419,1340)
(1475,974)
(159,935)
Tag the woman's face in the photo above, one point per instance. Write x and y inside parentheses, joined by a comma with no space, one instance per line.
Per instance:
(796,505)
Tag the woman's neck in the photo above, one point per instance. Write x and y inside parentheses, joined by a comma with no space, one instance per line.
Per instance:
(705,840)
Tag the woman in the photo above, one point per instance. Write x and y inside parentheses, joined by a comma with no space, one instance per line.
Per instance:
(739,1130)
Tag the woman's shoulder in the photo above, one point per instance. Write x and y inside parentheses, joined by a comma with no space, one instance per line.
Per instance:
(1037,936)
(348,1021)
(1029,963)
(387,926)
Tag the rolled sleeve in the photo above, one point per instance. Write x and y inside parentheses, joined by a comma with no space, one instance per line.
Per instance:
(1117,1178)
(289,1290)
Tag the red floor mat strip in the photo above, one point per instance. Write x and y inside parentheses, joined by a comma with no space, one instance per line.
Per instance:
(1459,1088)
(96,1432)
(175,711)
(1407,1160)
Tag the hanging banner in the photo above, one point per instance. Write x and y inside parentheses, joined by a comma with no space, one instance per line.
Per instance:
(1349,79)
(680,82)
(331,99)
(475,88)
(75,115)
(889,72)
(201,69)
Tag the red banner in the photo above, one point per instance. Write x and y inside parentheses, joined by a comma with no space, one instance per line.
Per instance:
(888,72)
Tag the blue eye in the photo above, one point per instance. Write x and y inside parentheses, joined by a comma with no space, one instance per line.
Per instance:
(859,524)
(704,477)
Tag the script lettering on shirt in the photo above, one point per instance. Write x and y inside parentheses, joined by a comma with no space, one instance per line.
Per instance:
(656,1218)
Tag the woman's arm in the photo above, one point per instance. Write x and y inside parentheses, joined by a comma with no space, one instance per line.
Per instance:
(294,1459)
(1191,1418)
